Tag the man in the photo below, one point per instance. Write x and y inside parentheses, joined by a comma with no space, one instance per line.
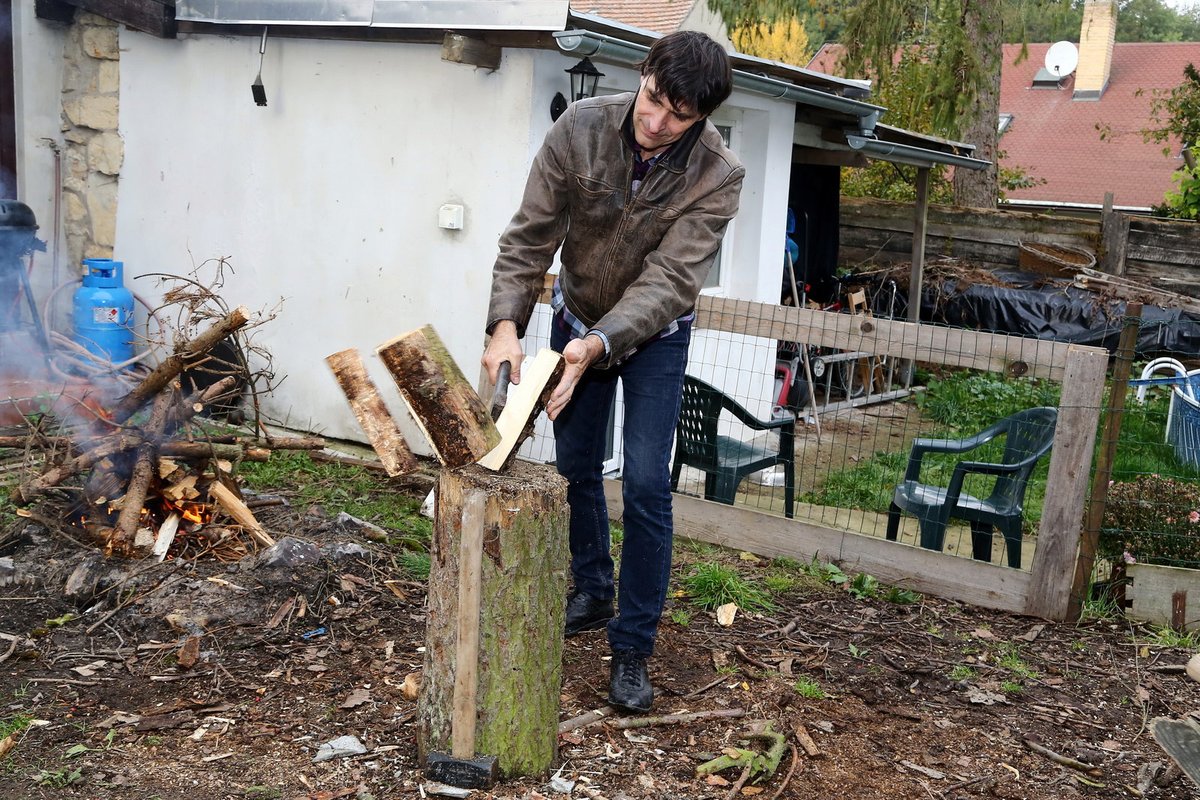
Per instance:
(637,188)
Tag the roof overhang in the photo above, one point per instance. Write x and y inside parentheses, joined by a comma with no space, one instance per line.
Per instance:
(536,15)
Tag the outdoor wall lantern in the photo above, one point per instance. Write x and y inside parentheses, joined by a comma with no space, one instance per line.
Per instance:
(584,77)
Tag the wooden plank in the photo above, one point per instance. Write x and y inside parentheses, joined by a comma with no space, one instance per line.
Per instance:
(930,343)
(466,658)
(525,399)
(1067,485)
(963,579)
(368,407)
(1114,239)
(1151,589)
(447,409)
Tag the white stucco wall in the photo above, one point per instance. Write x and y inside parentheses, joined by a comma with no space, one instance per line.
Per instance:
(37,54)
(327,198)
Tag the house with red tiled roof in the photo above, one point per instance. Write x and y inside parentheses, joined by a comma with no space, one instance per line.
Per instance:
(1079,135)
(660,16)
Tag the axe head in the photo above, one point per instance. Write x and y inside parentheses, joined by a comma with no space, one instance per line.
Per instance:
(479,772)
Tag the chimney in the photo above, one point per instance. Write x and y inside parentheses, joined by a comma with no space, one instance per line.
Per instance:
(1096,38)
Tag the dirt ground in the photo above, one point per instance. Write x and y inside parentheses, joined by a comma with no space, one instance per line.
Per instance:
(925,700)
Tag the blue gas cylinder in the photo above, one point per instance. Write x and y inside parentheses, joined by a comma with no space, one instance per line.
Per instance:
(103,312)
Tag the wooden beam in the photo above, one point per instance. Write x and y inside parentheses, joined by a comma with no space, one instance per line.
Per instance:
(151,16)
(447,409)
(931,343)
(54,11)
(1054,559)
(903,565)
(1114,238)
(460,49)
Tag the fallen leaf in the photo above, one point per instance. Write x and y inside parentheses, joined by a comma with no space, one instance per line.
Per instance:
(1142,695)
(88,670)
(284,609)
(716,780)
(983,633)
(412,686)
(189,654)
(750,791)
(726,614)
(744,556)
(356,698)
(7,743)
(1032,633)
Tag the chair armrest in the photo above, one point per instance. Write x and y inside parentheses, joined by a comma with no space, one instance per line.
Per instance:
(922,446)
(744,416)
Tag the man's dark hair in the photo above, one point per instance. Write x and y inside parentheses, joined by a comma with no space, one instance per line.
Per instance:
(690,70)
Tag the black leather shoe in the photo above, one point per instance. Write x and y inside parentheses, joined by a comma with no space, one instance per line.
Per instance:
(586,613)
(629,685)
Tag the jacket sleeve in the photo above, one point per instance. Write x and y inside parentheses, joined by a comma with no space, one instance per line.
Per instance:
(537,230)
(673,273)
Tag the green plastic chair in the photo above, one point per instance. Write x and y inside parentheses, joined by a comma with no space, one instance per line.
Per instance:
(1029,435)
(725,460)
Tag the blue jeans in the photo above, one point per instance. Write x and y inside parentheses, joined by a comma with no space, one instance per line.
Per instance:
(653,386)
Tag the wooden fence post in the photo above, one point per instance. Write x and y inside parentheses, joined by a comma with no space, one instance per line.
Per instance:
(1114,238)
(1054,559)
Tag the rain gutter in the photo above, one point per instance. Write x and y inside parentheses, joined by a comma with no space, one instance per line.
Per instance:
(909,154)
(586,43)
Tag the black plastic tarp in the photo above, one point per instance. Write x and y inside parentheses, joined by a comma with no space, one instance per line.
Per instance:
(1059,311)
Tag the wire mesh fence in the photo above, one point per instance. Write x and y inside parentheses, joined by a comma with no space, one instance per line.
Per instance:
(852,389)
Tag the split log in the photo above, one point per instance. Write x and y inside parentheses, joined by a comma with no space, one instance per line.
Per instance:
(170,368)
(381,430)
(522,584)
(125,533)
(240,513)
(445,406)
(526,400)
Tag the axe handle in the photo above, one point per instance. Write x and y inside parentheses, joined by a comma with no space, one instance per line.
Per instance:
(466,654)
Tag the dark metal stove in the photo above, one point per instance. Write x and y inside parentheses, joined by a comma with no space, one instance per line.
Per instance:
(18,229)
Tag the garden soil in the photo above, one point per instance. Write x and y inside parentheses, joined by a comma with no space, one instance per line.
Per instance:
(203,679)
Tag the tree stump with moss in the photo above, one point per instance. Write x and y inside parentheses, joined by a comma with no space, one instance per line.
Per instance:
(519,585)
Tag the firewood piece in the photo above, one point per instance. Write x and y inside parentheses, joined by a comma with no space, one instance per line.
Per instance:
(171,366)
(26,492)
(381,430)
(229,452)
(242,515)
(124,539)
(166,535)
(806,741)
(445,406)
(523,581)
(297,443)
(539,376)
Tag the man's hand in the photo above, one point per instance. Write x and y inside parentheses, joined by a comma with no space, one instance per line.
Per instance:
(503,346)
(579,354)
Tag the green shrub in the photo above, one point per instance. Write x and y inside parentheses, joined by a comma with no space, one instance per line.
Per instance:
(1154,520)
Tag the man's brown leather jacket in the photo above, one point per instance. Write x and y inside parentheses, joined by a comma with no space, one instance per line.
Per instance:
(630,263)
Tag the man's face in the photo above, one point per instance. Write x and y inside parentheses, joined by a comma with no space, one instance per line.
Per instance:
(657,123)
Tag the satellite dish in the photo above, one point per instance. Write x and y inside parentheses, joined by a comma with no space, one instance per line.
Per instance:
(1062,58)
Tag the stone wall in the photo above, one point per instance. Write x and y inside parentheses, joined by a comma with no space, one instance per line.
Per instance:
(94,150)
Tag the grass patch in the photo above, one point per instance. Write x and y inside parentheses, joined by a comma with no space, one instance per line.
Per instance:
(809,689)
(962,672)
(340,487)
(710,585)
(16,724)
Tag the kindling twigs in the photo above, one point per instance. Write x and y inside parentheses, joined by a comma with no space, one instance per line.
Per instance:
(1058,758)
